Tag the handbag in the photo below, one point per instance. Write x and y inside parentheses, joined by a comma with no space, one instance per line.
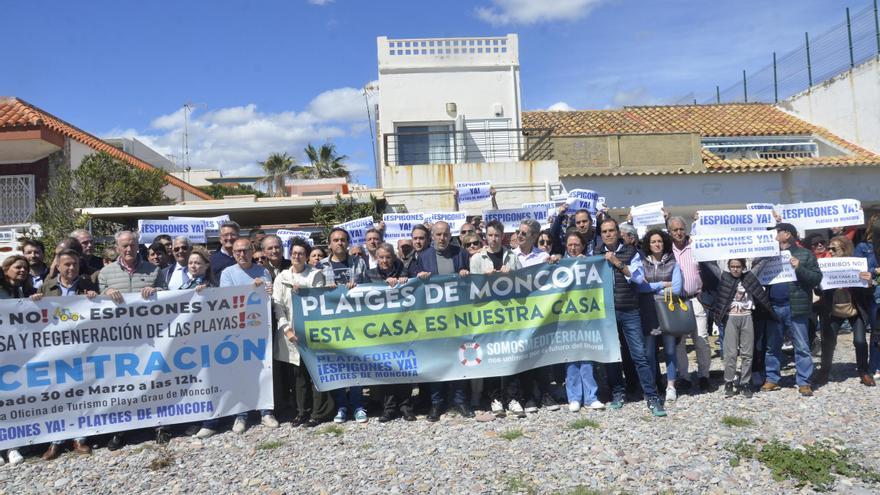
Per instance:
(675,315)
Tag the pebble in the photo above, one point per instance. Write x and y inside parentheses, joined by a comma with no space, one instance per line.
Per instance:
(631,452)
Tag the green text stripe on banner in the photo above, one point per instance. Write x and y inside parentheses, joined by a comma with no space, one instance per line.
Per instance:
(449,328)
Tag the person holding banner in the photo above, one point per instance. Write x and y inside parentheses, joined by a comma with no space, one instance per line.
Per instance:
(245,272)
(223,257)
(791,303)
(312,407)
(67,283)
(396,398)
(626,264)
(580,384)
(496,258)
(442,258)
(421,239)
(661,273)
(739,296)
(581,222)
(341,268)
(846,304)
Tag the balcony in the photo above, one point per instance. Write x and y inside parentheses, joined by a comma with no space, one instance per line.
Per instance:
(421,145)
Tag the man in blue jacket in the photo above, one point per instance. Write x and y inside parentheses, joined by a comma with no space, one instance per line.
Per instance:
(442,258)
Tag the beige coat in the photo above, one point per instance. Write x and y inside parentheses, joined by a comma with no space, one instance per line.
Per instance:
(282,304)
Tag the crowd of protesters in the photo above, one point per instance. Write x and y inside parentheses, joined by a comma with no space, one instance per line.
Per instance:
(755,322)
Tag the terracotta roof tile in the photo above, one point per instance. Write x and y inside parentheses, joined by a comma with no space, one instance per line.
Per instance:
(16,113)
(724,120)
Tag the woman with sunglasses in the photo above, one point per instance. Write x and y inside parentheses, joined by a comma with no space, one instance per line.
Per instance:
(580,384)
(471,243)
(312,407)
(545,242)
(852,304)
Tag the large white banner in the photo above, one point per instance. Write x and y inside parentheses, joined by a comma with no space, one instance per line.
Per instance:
(742,245)
(212,224)
(842,272)
(194,230)
(648,214)
(511,217)
(726,221)
(72,367)
(399,225)
(357,230)
(455,219)
(469,192)
(777,270)
(823,214)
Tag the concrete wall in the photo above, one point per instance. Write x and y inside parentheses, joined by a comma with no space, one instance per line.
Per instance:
(627,153)
(429,188)
(847,105)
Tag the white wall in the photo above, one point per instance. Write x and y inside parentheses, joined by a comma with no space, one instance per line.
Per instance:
(78,151)
(416,88)
(847,105)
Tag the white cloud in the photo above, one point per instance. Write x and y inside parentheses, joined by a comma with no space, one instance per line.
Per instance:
(504,12)
(635,96)
(561,106)
(233,139)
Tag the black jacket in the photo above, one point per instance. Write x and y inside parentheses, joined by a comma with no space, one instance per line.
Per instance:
(727,290)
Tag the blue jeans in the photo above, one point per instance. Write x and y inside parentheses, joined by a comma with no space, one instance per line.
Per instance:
(774,359)
(629,327)
(353,400)
(669,343)
(438,391)
(580,385)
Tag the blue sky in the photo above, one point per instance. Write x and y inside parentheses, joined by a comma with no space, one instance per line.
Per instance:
(275,75)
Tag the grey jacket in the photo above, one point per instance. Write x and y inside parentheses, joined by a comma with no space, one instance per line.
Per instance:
(114,276)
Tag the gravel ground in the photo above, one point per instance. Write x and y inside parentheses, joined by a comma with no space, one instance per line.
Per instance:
(630,451)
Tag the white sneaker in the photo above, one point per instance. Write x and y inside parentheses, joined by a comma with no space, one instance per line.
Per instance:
(497,408)
(205,433)
(269,421)
(877,375)
(239,426)
(14,457)
(574,406)
(516,408)
(596,404)
(671,394)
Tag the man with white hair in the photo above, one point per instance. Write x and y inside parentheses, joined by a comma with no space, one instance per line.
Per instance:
(129,273)
(175,275)
(94,263)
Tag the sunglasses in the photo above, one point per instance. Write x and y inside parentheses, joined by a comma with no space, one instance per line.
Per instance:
(259,259)
(818,243)
(180,248)
(466,232)
(543,242)
(835,249)
(473,244)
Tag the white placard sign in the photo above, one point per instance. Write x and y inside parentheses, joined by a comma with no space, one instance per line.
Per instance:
(648,214)
(741,245)
(287,236)
(726,221)
(512,217)
(357,230)
(469,192)
(823,214)
(777,270)
(759,206)
(7,236)
(455,219)
(212,224)
(601,205)
(581,199)
(842,272)
(399,225)
(550,209)
(194,230)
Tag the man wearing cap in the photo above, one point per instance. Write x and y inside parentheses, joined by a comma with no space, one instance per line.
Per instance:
(791,302)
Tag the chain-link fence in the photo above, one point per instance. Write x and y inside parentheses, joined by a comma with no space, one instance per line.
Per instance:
(844,46)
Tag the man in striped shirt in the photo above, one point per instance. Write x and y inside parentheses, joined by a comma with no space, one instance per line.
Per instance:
(693,290)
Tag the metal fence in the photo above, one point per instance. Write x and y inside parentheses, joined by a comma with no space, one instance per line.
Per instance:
(467,146)
(846,45)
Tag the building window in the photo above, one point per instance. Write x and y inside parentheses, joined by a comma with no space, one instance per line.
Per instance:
(424,144)
(17,198)
(761,147)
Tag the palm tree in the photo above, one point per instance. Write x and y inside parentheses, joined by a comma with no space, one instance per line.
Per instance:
(278,168)
(326,163)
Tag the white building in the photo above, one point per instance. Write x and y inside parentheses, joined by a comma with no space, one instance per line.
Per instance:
(450,112)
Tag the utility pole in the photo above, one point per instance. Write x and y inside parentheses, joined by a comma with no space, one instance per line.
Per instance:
(188,108)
